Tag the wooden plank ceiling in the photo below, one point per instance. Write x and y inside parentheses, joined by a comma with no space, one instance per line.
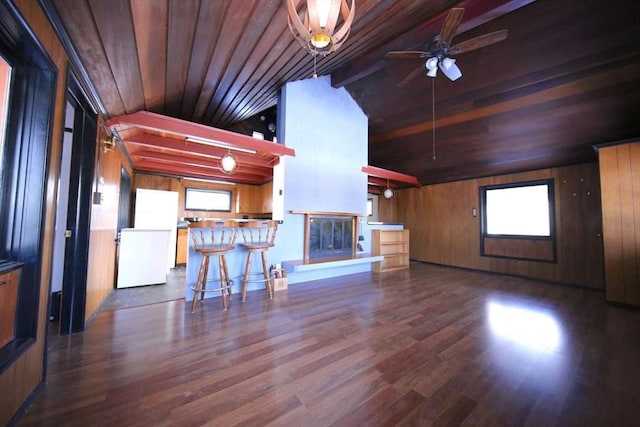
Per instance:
(567,77)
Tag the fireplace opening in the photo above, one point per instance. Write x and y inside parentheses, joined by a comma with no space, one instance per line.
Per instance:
(329,237)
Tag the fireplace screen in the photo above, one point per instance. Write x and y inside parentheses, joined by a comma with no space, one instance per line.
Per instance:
(330,238)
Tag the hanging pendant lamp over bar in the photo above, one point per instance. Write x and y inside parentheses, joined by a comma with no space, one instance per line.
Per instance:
(321,26)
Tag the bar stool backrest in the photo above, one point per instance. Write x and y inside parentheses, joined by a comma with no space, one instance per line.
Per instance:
(259,234)
(211,234)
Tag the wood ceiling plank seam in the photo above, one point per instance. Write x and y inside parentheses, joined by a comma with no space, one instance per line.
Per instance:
(257,38)
(266,52)
(236,16)
(115,28)
(79,23)
(522,102)
(266,104)
(180,39)
(254,109)
(257,79)
(277,77)
(211,15)
(292,59)
(150,26)
(269,83)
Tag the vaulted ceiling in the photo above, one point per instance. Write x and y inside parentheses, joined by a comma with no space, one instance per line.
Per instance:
(566,78)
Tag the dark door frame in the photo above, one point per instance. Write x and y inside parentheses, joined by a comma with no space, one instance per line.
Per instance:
(74,285)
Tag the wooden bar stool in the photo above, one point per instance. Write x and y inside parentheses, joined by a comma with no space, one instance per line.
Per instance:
(258,236)
(213,238)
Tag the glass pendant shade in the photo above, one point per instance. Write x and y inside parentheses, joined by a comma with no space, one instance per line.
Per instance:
(228,163)
(388,193)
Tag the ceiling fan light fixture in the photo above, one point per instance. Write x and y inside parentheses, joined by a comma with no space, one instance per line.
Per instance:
(432,66)
(450,69)
(228,163)
(321,26)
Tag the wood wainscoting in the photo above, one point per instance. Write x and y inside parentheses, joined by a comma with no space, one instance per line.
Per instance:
(445,231)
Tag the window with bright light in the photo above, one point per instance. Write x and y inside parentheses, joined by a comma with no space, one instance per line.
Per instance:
(5,88)
(198,199)
(522,209)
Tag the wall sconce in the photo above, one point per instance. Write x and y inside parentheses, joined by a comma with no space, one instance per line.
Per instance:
(324,26)
(108,143)
(228,163)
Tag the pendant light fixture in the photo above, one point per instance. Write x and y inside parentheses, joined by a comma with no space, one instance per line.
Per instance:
(321,26)
(228,163)
(388,192)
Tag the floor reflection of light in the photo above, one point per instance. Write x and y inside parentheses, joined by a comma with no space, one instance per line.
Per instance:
(523,326)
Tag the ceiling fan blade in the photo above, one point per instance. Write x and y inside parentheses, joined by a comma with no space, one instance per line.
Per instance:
(450,25)
(478,42)
(412,75)
(407,54)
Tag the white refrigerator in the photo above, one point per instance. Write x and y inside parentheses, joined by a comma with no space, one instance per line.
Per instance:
(138,260)
(158,210)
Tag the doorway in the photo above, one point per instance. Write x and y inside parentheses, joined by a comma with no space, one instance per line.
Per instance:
(78,217)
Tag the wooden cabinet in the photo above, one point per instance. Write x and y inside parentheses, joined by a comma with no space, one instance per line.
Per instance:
(182,246)
(620,192)
(266,198)
(254,199)
(394,246)
(9,280)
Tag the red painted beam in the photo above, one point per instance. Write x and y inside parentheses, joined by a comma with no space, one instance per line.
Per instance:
(211,173)
(184,128)
(187,161)
(390,175)
(205,151)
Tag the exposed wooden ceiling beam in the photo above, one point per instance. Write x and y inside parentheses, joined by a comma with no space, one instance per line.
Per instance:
(390,175)
(179,146)
(186,129)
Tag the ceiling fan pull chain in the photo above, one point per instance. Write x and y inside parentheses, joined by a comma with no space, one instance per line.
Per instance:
(433,115)
(315,74)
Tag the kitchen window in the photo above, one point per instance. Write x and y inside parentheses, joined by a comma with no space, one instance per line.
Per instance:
(198,199)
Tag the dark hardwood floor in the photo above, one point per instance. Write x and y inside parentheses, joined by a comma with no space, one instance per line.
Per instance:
(426,346)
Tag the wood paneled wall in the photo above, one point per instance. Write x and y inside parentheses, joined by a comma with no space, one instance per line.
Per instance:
(20,379)
(167,183)
(444,231)
(104,226)
(620,182)
(251,195)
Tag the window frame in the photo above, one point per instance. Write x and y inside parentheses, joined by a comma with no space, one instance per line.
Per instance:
(525,239)
(228,193)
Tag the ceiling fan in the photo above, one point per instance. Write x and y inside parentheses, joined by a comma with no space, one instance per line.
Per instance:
(438,51)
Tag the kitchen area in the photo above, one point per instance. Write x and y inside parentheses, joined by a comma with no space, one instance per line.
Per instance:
(161,214)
